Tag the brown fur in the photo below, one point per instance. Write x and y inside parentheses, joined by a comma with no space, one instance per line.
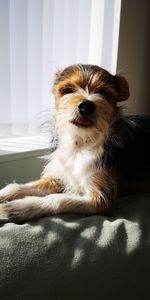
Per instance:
(48,185)
(73,86)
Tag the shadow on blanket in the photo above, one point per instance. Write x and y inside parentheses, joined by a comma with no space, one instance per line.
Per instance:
(76,257)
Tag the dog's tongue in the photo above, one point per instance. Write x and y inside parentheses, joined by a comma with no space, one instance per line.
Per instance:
(84,122)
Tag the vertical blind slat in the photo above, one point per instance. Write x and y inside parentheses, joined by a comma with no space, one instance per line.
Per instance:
(47,41)
(4,68)
(58,33)
(70,32)
(18,65)
(83,31)
(110,40)
(34,63)
(96,32)
(115,35)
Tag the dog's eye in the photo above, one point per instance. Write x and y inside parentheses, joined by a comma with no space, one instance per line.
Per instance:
(67,90)
(105,93)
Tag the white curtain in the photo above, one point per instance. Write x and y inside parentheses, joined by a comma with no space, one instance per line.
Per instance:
(39,36)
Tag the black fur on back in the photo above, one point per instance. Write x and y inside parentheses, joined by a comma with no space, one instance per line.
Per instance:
(127,148)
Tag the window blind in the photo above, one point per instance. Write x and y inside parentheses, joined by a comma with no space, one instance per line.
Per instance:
(37,37)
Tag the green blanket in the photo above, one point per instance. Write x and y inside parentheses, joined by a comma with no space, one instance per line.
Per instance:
(70,257)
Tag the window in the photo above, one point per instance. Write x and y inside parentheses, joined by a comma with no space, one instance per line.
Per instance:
(38,37)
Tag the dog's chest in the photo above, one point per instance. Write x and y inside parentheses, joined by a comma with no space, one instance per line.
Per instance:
(77,170)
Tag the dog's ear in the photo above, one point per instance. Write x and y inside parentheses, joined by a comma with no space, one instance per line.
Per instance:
(57,75)
(121,88)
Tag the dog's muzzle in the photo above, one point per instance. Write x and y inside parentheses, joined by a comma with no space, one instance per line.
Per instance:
(84,118)
(86,108)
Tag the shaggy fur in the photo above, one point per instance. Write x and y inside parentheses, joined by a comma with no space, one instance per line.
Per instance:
(100,154)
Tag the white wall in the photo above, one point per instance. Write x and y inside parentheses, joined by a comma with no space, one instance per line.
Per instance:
(134,52)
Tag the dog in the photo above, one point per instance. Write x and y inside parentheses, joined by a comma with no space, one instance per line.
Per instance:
(100,153)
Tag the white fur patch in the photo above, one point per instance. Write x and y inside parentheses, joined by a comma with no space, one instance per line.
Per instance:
(74,166)
(9,190)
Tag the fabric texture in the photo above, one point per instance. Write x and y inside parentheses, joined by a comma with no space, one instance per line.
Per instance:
(73,257)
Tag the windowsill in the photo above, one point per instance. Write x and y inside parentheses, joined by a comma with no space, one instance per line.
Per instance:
(15,148)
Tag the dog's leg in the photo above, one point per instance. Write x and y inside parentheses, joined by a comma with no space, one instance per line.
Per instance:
(32,207)
(41,187)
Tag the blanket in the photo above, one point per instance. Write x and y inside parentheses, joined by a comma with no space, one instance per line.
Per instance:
(73,257)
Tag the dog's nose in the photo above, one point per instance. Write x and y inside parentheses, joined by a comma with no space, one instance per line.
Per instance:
(86,107)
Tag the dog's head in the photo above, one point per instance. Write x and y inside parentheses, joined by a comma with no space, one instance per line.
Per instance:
(86,97)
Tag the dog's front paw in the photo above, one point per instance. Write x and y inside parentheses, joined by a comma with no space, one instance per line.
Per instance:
(17,211)
(9,192)
(9,211)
